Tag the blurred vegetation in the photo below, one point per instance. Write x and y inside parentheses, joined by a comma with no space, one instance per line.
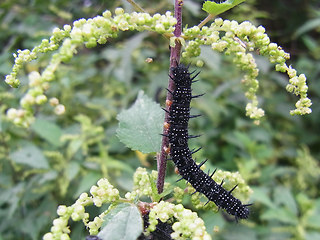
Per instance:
(61,156)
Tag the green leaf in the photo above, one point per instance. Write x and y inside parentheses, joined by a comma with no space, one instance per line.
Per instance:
(314,218)
(280,214)
(141,125)
(120,63)
(74,146)
(308,26)
(122,223)
(48,131)
(12,197)
(261,194)
(312,235)
(217,8)
(239,139)
(166,192)
(1,128)
(72,170)
(283,196)
(30,155)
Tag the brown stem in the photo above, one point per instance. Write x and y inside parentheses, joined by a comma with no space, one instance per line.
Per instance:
(174,60)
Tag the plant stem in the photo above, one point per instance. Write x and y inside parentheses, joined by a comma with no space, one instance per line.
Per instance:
(174,60)
(207,19)
(136,6)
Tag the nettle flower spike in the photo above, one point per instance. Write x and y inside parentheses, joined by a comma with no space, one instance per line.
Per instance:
(88,32)
(237,41)
(187,226)
(103,193)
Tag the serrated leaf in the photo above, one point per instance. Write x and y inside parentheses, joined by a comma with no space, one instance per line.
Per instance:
(122,223)
(48,131)
(140,126)
(30,155)
(218,8)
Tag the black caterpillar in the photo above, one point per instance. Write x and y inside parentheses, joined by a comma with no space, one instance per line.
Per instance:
(179,115)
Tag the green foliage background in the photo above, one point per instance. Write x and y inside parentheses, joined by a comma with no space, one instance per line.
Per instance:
(61,156)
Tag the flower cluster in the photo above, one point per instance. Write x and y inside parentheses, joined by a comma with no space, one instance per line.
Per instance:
(84,31)
(104,192)
(298,86)
(187,225)
(142,181)
(178,194)
(24,56)
(237,40)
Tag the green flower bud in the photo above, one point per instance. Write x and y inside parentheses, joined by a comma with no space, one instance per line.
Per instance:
(199,63)
(91,43)
(290,88)
(27,101)
(160,28)
(291,72)
(219,46)
(41,99)
(107,14)
(218,22)
(119,11)
(281,67)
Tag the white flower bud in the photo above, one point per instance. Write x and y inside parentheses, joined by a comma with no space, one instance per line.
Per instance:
(59,109)
(65,236)
(62,210)
(67,28)
(48,236)
(12,113)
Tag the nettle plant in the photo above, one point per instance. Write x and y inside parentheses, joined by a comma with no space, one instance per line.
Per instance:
(131,216)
